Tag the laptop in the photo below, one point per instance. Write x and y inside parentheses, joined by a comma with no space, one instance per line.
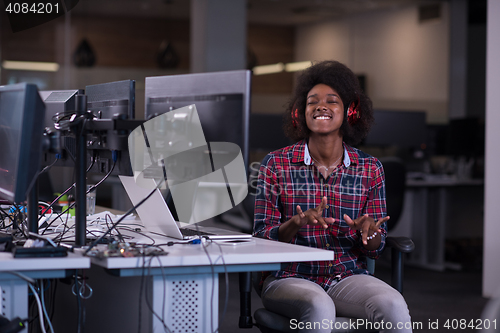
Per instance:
(156,216)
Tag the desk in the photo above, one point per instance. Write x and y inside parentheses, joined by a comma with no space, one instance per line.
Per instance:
(191,291)
(14,290)
(426,215)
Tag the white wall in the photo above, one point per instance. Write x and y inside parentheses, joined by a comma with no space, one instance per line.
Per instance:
(491,258)
(405,62)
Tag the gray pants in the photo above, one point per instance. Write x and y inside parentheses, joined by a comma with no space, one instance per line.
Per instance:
(311,309)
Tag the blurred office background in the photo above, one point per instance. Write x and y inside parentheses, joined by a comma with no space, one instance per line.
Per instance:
(422,62)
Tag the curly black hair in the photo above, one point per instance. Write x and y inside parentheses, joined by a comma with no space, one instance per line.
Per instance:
(337,76)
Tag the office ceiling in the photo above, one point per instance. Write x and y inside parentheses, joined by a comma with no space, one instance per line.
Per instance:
(275,12)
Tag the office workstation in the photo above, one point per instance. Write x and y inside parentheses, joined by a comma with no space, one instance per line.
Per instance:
(104,130)
(446,185)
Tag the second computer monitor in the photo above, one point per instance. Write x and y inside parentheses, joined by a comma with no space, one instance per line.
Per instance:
(108,100)
(111,100)
(222,100)
(60,106)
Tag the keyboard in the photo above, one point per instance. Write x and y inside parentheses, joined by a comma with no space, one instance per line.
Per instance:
(193,232)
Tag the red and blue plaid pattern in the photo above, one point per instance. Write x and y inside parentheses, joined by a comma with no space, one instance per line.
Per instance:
(355,188)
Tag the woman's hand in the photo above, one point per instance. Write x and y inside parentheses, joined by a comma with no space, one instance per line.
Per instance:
(314,216)
(311,216)
(366,223)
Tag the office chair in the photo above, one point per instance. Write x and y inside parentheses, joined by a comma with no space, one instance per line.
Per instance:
(270,322)
(395,187)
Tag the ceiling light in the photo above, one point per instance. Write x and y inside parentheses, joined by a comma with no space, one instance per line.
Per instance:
(31,66)
(297,66)
(268,69)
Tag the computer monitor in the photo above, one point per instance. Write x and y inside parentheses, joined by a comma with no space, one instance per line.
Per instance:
(108,100)
(22,113)
(112,100)
(58,105)
(222,100)
(405,129)
(266,132)
(466,137)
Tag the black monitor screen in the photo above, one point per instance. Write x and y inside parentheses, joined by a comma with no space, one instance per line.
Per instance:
(221,116)
(466,137)
(222,100)
(266,132)
(21,128)
(397,128)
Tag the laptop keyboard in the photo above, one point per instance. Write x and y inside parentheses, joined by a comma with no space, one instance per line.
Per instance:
(193,232)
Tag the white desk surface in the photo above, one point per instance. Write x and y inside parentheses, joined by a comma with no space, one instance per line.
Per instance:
(443,182)
(72,261)
(259,251)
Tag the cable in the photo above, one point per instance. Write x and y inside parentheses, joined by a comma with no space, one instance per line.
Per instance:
(87,192)
(120,236)
(213,286)
(45,309)
(53,297)
(226,277)
(63,212)
(92,161)
(22,276)
(73,203)
(107,175)
(162,319)
(140,233)
(47,168)
(64,231)
(61,117)
(5,215)
(141,286)
(97,241)
(79,305)
(35,177)
(40,310)
(45,210)
(164,288)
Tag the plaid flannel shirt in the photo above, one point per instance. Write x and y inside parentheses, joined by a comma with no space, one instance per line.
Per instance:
(288,177)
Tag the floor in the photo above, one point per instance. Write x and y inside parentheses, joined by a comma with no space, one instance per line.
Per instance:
(434,298)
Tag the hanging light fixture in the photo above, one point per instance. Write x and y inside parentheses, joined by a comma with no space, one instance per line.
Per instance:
(167,56)
(84,55)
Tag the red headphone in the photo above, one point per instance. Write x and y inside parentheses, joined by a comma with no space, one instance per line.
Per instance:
(353,114)
(295,116)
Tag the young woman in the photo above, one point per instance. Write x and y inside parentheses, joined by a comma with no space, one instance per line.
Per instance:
(321,192)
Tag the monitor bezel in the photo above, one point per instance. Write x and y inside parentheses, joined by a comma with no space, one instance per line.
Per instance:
(30,148)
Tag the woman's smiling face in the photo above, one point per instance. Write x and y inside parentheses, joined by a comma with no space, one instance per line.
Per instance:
(324,110)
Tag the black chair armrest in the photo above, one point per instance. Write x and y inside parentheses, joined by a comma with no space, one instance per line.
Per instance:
(401,244)
(398,245)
